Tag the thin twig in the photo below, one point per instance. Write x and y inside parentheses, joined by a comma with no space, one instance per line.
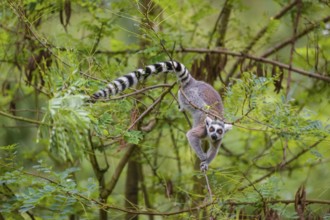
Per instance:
(137,92)
(208,186)
(23,119)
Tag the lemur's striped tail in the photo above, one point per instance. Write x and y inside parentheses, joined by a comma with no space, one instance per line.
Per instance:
(131,79)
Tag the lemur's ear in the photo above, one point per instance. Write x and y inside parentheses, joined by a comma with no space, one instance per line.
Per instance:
(228,127)
(208,121)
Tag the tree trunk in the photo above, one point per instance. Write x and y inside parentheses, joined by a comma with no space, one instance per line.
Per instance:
(132,187)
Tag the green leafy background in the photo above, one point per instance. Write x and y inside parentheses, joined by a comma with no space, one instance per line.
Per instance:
(51,136)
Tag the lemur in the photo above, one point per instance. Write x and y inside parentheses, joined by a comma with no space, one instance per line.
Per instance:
(200,99)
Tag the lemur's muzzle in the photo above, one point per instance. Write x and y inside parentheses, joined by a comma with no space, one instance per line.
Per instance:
(214,137)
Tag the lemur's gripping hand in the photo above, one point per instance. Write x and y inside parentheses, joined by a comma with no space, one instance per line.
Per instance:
(204,166)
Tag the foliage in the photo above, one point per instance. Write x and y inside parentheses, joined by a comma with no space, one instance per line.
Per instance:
(62,156)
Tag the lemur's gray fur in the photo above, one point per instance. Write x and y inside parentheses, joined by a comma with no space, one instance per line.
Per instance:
(197,97)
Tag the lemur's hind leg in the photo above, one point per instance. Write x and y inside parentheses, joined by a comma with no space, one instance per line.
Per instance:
(195,136)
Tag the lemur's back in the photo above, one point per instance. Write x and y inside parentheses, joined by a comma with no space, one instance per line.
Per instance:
(199,98)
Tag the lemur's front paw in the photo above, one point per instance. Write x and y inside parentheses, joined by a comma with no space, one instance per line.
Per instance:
(180,108)
(204,166)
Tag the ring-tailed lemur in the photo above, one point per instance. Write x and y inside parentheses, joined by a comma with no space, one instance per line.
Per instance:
(197,97)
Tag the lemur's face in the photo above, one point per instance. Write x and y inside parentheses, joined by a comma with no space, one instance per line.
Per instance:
(216,129)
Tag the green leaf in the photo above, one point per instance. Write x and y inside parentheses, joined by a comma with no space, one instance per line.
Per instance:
(133,137)
(316,153)
(26,208)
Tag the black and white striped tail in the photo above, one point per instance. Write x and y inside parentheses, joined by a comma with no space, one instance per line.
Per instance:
(131,79)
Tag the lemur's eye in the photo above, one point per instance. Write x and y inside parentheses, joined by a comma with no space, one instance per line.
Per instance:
(211,129)
(220,131)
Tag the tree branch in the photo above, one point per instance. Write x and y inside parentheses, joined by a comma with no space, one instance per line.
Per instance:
(258,36)
(221,24)
(138,92)
(256,58)
(23,119)
(295,27)
(280,46)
